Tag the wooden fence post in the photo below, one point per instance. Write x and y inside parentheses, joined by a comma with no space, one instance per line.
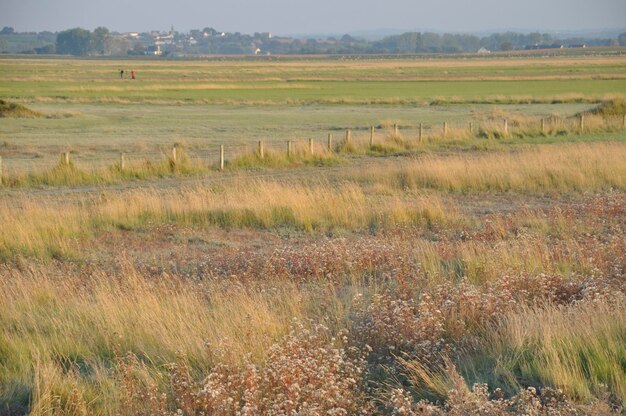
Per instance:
(420,135)
(311,146)
(371,136)
(221,157)
(330,142)
(543,125)
(288,148)
(445,128)
(261,150)
(471,127)
(582,122)
(174,156)
(506,127)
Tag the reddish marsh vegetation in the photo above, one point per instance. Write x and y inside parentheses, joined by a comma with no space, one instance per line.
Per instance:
(526,306)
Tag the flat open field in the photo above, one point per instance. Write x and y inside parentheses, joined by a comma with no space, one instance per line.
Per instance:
(466,256)
(311,81)
(96,115)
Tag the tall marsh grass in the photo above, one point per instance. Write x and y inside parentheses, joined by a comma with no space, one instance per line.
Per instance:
(49,229)
(62,333)
(320,156)
(84,341)
(578,349)
(14,110)
(385,197)
(86,338)
(74,174)
(550,168)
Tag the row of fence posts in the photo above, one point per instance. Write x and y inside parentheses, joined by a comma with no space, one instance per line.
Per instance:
(348,141)
(396,132)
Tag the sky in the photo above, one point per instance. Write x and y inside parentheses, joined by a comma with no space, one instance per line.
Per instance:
(315,16)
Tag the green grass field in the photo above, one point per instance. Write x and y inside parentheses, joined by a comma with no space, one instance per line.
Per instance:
(316,92)
(313,81)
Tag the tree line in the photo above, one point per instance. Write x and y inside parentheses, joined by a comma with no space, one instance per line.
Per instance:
(82,42)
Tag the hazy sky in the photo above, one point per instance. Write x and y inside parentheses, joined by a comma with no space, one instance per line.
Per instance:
(314,16)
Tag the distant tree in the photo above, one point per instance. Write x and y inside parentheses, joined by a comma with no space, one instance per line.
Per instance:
(45,50)
(431,41)
(234,48)
(547,38)
(139,47)
(347,38)
(534,38)
(621,39)
(210,31)
(451,43)
(7,31)
(506,46)
(47,36)
(74,42)
(99,37)
(116,46)
(405,43)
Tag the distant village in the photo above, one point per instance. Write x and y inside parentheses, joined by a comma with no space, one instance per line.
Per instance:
(209,41)
(173,42)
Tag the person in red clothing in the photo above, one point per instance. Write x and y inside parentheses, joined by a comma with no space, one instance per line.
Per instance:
(132,74)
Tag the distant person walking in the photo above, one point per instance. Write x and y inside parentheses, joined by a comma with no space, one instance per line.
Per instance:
(132,74)
(121,74)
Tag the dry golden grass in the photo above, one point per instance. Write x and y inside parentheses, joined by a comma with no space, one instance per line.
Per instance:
(264,204)
(579,348)
(481,262)
(65,328)
(34,227)
(528,99)
(175,87)
(218,69)
(132,313)
(549,168)
(62,331)
(13,110)
(381,198)
(330,100)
